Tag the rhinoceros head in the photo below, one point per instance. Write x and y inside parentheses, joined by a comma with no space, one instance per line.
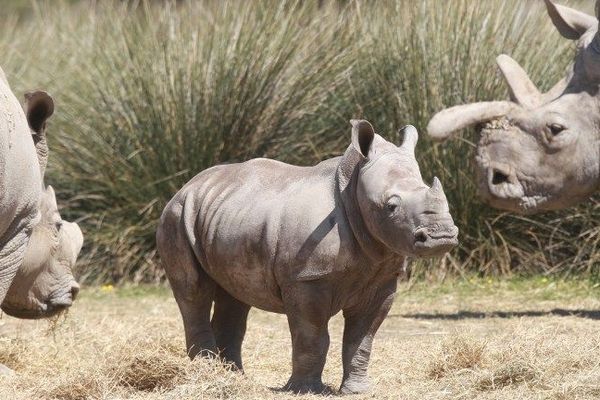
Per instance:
(539,151)
(39,106)
(397,207)
(44,285)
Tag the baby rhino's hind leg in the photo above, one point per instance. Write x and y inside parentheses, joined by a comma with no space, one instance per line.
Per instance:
(229,326)
(193,289)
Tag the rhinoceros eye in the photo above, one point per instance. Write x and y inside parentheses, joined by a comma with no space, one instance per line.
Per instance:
(555,129)
(58,225)
(392,204)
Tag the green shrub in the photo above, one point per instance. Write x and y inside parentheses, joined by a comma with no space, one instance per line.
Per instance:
(148,96)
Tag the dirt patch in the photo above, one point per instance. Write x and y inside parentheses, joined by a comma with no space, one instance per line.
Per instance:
(442,346)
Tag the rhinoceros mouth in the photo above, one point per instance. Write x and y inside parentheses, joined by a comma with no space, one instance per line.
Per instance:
(503,188)
(52,307)
(432,241)
(45,311)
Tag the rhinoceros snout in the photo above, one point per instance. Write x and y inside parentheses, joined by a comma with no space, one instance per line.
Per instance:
(435,240)
(502,182)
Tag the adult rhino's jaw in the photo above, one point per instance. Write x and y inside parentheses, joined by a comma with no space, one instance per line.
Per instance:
(48,309)
(58,301)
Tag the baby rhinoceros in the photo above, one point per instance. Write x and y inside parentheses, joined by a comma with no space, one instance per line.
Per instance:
(304,241)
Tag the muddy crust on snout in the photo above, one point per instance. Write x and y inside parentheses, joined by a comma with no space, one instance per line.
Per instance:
(487,131)
(276,243)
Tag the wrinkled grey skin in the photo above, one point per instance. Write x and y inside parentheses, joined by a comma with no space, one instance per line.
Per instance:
(304,241)
(37,248)
(539,151)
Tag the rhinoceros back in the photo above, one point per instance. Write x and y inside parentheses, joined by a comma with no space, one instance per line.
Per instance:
(233,216)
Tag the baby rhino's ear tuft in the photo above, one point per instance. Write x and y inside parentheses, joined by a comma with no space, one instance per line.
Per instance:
(362,136)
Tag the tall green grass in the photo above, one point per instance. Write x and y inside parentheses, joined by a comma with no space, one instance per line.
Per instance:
(149,95)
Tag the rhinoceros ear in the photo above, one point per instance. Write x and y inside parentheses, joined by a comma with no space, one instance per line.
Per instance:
(362,136)
(569,22)
(39,106)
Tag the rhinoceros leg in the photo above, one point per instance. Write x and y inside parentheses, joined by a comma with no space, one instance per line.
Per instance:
(229,326)
(193,289)
(361,324)
(195,311)
(307,317)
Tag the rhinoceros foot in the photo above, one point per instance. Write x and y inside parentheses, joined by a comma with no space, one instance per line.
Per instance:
(355,386)
(307,386)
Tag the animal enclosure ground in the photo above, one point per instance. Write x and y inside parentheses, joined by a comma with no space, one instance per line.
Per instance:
(533,339)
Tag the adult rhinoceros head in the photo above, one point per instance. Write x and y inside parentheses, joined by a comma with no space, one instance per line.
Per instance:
(539,151)
(44,285)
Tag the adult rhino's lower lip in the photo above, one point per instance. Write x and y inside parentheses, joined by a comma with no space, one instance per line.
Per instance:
(50,311)
(45,310)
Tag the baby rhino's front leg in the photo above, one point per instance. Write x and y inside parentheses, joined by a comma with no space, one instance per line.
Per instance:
(361,324)
(307,312)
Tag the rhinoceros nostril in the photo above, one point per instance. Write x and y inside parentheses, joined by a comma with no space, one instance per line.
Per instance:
(420,237)
(499,177)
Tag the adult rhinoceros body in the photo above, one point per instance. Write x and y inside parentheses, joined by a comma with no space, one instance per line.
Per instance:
(37,248)
(20,186)
(304,241)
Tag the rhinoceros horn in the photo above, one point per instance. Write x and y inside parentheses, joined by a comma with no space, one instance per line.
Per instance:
(410,137)
(453,119)
(570,23)
(522,89)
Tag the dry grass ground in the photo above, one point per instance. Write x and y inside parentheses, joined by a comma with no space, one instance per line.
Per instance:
(481,340)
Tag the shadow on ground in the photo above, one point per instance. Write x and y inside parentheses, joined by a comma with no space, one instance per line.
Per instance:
(590,314)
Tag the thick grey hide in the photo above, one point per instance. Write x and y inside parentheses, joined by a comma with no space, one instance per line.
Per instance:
(304,241)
